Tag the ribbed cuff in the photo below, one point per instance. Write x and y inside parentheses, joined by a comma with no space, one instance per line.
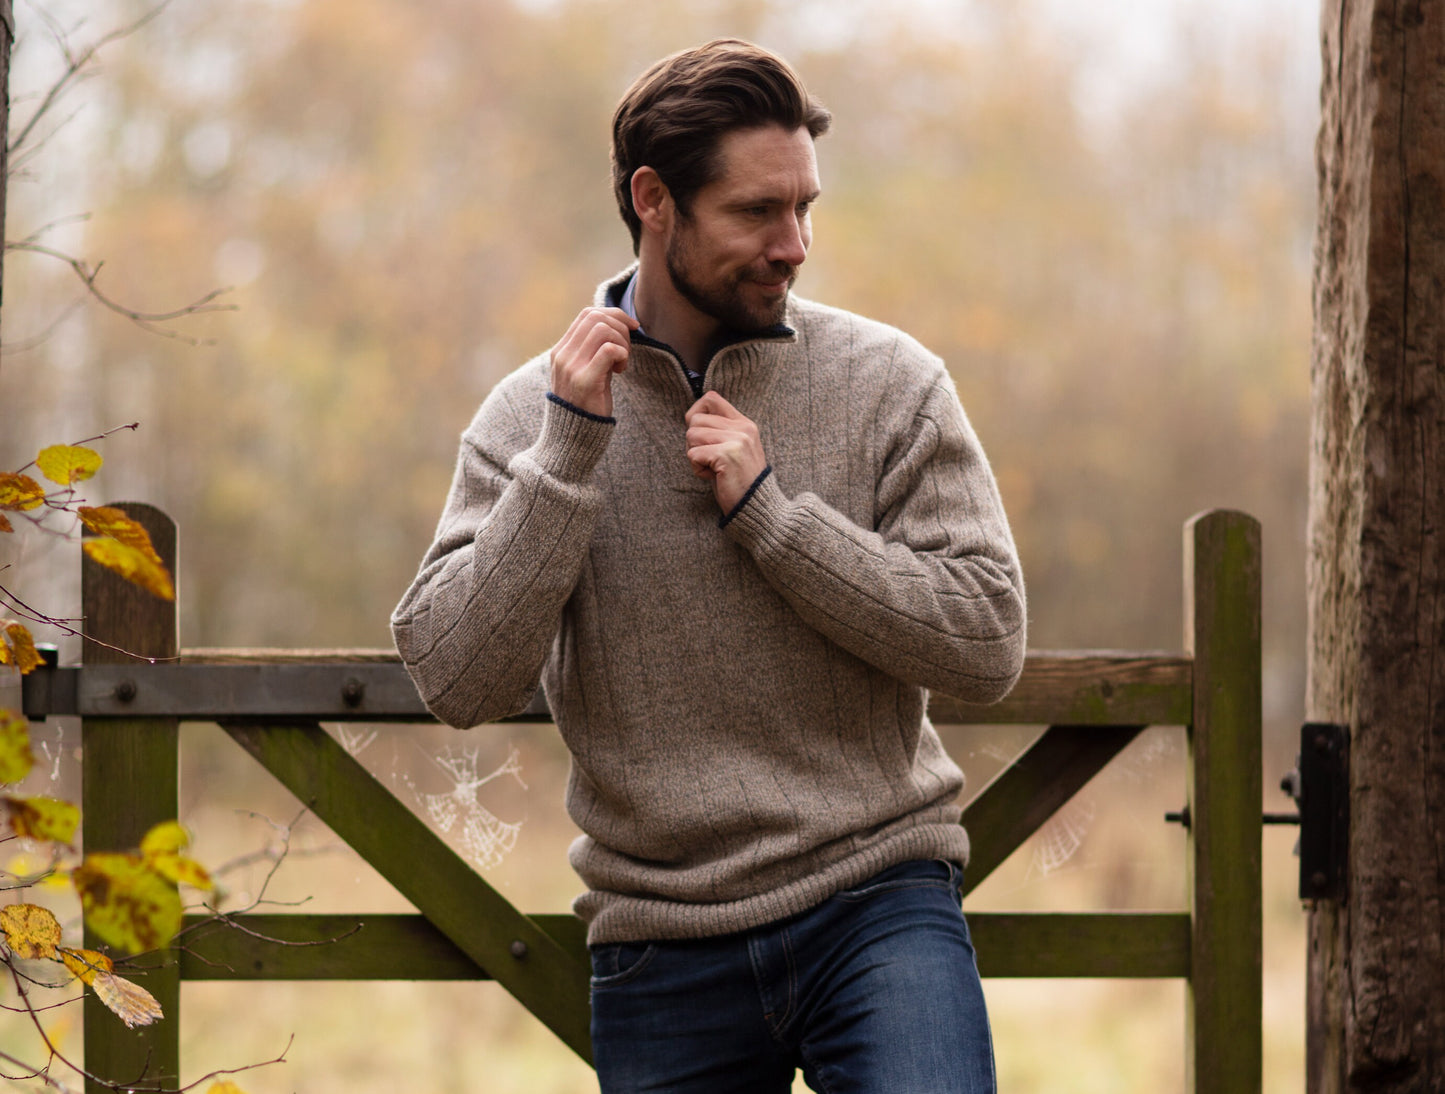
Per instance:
(726,518)
(758,517)
(572,440)
(553,397)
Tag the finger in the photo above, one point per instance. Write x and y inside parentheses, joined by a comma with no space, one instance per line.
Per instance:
(711,403)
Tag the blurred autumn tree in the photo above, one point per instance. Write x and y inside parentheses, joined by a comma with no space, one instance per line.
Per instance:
(412,198)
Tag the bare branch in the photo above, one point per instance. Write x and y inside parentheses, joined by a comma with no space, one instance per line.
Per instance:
(34,341)
(145,320)
(34,615)
(75,64)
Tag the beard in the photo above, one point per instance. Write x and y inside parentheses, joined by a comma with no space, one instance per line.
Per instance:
(725,300)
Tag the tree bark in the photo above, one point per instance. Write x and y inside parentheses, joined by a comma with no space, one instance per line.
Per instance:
(7,39)
(1376,563)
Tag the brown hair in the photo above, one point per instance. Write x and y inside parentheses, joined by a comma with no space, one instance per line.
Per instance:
(674,115)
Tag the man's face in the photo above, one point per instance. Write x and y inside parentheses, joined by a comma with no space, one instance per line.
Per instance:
(736,253)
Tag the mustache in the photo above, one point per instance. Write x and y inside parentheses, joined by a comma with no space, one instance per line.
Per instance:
(775,271)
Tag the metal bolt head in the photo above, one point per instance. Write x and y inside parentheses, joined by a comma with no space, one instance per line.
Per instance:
(125,691)
(519,949)
(352,692)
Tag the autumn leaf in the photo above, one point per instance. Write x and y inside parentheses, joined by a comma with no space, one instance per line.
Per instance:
(68,463)
(17,648)
(168,836)
(5,525)
(126,902)
(107,520)
(133,564)
(44,818)
(16,759)
(84,964)
(30,930)
(224,1087)
(162,846)
(132,1003)
(19,492)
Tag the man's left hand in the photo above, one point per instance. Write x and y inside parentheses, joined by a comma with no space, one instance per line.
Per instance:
(723,446)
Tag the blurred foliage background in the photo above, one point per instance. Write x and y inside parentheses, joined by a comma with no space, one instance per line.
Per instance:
(1101,217)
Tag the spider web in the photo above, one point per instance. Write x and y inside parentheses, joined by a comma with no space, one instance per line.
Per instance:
(483,837)
(1060,839)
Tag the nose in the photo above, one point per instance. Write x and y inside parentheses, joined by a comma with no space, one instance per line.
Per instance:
(790,241)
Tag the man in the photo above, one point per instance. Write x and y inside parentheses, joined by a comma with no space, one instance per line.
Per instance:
(737,535)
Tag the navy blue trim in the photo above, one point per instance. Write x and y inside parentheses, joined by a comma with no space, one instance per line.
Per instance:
(578,410)
(753,489)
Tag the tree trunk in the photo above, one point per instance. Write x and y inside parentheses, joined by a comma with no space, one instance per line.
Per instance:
(7,39)
(1377,542)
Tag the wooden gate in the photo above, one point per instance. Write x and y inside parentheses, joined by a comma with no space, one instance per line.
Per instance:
(273,703)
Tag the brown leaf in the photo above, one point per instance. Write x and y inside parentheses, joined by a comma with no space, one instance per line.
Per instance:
(68,463)
(19,491)
(30,930)
(134,1005)
(5,525)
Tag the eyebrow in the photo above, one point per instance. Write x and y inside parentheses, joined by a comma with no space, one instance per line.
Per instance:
(746,202)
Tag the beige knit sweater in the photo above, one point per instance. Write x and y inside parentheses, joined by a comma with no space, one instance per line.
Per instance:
(745,706)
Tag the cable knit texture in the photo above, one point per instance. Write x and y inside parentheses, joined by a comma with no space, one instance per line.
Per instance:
(746,705)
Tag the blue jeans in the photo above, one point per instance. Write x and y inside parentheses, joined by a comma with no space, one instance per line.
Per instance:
(875,991)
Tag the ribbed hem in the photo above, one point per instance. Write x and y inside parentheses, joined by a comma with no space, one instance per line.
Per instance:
(571,442)
(614,917)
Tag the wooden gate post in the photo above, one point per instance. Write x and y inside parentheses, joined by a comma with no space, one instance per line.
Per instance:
(1224,1038)
(129,782)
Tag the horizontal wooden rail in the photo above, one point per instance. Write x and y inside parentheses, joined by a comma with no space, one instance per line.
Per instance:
(409,947)
(1082,689)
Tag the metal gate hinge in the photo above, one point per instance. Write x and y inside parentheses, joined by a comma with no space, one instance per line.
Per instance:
(1320,786)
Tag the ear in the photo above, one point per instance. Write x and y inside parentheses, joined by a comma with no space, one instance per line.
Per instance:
(651,199)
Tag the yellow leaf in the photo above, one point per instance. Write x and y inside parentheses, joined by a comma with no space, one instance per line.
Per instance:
(30,930)
(5,525)
(84,964)
(16,759)
(225,1087)
(181,870)
(126,902)
(168,836)
(134,1005)
(18,649)
(68,463)
(44,818)
(107,520)
(132,564)
(19,491)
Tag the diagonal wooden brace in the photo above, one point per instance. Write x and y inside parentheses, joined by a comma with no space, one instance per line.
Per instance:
(546,979)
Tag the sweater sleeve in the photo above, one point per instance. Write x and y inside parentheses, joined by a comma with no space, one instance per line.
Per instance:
(933,594)
(477,624)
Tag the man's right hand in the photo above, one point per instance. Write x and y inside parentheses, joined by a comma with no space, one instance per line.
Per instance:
(595,346)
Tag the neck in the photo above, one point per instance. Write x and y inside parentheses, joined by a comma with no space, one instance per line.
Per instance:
(669,318)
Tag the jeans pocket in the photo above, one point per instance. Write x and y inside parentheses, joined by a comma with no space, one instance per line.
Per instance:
(617,963)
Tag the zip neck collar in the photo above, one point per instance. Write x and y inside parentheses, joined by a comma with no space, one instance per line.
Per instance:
(617,293)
